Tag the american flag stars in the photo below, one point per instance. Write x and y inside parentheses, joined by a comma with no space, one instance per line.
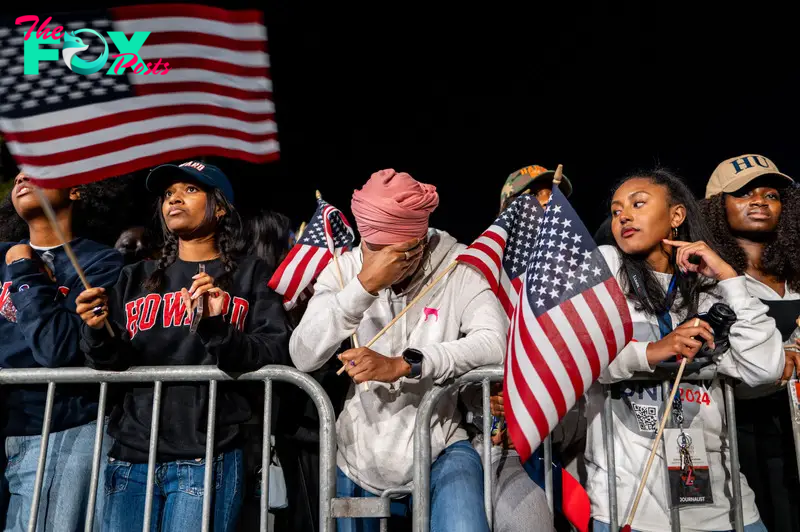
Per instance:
(563,265)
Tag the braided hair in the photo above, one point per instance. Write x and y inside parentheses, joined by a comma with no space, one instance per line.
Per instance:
(782,249)
(227,237)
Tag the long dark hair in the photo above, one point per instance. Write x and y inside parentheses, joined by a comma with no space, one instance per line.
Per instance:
(268,233)
(227,237)
(693,228)
(781,256)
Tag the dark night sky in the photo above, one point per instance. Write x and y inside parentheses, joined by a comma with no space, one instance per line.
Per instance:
(461,99)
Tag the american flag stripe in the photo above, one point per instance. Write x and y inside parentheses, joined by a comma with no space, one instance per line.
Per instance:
(508,292)
(145,161)
(208,38)
(214,100)
(102,146)
(578,340)
(601,333)
(167,52)
(616,299)
(235,79)
(24,131)
(283,281)
(310,260)
(544,360)
(524,414)
(486,253)
(328,232)
(168,87)
(98,159)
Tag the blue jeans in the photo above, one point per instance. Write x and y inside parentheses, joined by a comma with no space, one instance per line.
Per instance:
(177,494)
(456,494)
(758,526)
(65,486)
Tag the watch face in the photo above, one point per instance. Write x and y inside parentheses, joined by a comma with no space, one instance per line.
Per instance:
(413,356)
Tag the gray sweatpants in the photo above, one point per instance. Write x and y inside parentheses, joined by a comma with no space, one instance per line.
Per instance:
(520,505)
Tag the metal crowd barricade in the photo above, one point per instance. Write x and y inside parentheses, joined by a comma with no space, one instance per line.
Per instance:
(422,447)
(159,375)
(667,378)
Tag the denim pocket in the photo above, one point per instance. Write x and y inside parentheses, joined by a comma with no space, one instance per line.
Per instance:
(117,474)
(16,449)
(191,473)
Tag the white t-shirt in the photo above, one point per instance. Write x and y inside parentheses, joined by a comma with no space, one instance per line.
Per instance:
(755,357)
(764,293)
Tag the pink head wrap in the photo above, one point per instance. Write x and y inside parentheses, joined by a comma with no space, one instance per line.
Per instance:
(392,208)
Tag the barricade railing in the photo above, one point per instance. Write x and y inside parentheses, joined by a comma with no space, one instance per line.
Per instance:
(422,447)
(330,507)
(159,375)
(667,378)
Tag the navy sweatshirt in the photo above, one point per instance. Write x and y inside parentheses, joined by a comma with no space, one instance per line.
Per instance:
(152,329)
(39,328)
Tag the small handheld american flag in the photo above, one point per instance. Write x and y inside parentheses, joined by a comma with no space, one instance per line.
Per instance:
(501,253)
(327,233)
(570,321)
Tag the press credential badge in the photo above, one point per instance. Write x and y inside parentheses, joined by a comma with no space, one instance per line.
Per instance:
(687,465)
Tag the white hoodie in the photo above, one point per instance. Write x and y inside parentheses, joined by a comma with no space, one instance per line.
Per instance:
(463,327)
(755,357)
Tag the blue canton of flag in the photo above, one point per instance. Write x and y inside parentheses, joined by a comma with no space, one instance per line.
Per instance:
(503,251)
(565,261)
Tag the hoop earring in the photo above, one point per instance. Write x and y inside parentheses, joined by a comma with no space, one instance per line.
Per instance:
(674,233)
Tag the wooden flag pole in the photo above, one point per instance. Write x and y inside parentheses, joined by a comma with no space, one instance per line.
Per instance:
(51,215)
(558,174)
(654,449)
(354,337)
(408,307)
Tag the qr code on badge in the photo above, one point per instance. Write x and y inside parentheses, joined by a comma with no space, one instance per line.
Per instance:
(646,416)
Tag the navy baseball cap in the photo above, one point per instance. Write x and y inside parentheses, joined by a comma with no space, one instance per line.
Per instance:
(206,174)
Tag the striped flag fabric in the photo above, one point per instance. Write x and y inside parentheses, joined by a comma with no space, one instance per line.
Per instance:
(327,233)
(215,98)
(570,321)
(501,253)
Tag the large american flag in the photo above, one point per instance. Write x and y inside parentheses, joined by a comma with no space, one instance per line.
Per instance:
(65,128)
(327,233)
(501,253)
(570,321)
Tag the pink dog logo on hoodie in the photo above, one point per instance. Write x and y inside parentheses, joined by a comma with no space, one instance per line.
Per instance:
(428,312)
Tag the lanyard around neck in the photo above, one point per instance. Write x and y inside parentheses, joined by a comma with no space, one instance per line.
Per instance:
(664,319)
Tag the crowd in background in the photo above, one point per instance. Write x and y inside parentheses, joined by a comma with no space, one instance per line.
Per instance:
(737,247)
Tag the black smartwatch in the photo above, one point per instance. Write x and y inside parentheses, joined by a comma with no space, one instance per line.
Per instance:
(414,359)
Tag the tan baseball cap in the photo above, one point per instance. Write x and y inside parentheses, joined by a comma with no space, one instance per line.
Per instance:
(734,173)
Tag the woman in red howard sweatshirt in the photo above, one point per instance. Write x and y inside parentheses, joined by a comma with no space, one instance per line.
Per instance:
(242,328)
